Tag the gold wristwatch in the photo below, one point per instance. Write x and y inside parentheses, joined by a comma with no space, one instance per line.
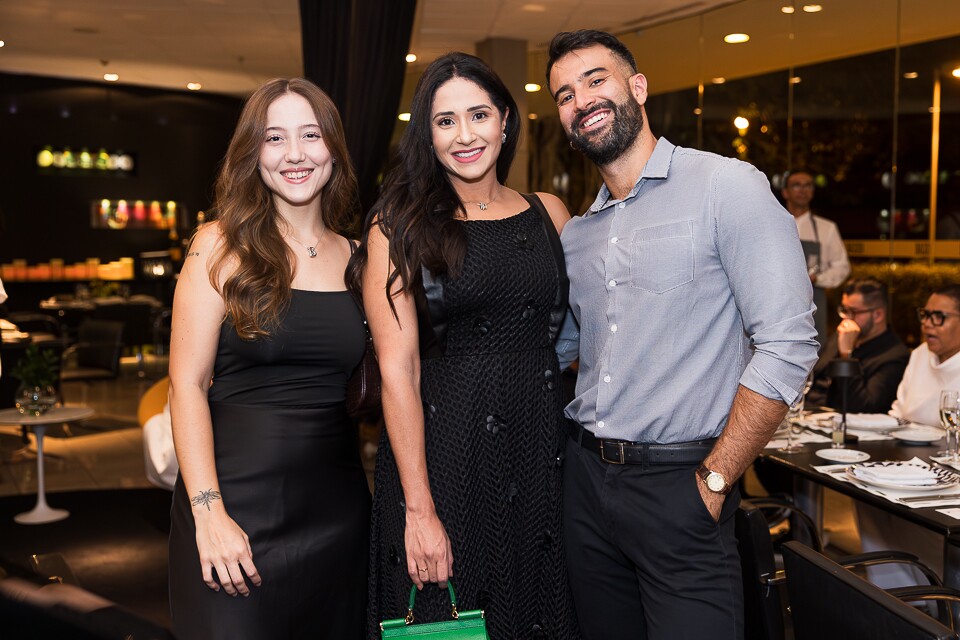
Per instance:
(714,480)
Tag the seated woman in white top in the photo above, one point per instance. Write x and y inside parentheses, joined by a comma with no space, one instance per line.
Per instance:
(934,365)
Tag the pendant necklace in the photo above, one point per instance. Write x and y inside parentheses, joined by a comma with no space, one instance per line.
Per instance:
(312,249)
(483,205)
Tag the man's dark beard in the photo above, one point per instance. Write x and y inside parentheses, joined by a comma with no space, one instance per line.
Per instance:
(602,150)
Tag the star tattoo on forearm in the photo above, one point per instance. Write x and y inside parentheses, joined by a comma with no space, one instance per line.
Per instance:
(205,498)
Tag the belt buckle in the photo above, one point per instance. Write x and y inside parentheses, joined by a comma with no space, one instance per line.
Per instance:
(603,449)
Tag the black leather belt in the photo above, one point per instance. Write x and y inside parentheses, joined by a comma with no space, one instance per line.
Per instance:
(625,452)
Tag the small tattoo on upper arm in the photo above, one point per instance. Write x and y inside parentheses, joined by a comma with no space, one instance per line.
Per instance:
(193,253)
(205,498)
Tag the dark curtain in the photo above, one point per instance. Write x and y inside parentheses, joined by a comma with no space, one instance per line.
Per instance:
(354,50)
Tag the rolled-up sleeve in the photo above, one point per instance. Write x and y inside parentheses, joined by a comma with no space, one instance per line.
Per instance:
(762,256)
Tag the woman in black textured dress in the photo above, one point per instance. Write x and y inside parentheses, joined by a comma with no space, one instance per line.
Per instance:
(464,286)
(270,512)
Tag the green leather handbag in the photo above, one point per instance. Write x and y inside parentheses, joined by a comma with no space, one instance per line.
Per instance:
(465,625)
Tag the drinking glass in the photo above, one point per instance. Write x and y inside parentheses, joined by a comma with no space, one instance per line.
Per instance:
(794,413)
(949,415)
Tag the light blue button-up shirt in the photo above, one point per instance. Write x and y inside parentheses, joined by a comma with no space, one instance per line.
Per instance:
(693,284)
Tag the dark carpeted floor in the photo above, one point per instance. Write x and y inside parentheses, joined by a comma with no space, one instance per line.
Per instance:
(115,543)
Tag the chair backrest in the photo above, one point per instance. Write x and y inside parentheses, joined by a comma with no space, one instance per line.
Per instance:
(102,344)
(828,601)
(36,323)
(137,317)
(763,605)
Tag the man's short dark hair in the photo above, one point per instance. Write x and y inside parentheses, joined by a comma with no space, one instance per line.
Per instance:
(874,292)
(951,290)
(567,41)
(789,174)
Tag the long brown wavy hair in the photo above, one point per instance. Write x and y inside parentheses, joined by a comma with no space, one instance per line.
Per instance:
(258,290)
(418,206)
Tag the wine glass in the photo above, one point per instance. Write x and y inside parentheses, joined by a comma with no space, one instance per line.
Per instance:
(794,413)
(949,415)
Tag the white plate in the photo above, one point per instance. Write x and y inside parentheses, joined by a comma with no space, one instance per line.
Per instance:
(843,455)
(918,435)
(944,478)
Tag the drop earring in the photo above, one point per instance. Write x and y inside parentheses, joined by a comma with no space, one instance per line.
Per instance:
(503,137)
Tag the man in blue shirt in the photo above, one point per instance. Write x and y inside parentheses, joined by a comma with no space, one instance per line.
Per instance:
(690,288)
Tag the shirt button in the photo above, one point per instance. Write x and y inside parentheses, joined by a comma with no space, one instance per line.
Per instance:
(614,240)
(613,328)
(612,283)
(622,205)
(601,424)
(606,378)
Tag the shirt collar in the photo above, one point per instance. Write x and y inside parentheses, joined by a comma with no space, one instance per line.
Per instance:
(657,167)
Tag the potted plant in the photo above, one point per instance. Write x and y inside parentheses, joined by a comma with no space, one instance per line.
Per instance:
(38,371)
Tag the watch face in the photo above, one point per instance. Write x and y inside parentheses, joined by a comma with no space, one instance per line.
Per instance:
(715,482)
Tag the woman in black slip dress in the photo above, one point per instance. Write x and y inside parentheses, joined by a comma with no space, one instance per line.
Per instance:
(467,483)
(270,513)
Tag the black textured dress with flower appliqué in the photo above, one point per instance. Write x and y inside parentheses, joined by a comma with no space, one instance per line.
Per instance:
(494,432)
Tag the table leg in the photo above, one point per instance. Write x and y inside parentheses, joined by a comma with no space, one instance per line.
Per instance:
(41,513)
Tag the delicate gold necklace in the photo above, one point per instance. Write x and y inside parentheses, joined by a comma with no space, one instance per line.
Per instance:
(312,249)
(483,205)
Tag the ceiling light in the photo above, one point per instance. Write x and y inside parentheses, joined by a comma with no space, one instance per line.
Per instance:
(194,86)
(111,77)
(812,8)
(404,117)
(718,80)
(741,123)
(534,8)
(787,9)
(532,87)
(796,80)
(956,72)
(911,75)
(735,38)
(2,43)
(532,116)
(411,57)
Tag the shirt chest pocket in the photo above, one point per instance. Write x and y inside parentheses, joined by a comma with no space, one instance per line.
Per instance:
(661,258)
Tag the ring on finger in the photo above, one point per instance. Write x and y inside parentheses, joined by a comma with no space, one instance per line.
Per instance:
(423,570)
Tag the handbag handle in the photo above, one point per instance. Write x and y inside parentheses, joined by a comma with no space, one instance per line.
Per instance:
(413,595)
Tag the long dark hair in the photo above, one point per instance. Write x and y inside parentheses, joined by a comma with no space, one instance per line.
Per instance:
(418,206)
(259,289)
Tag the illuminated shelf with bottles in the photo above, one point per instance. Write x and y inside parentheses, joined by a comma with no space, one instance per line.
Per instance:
(56,270)
(135,214)
(64,161)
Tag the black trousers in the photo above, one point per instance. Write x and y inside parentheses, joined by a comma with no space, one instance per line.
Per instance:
(645,558)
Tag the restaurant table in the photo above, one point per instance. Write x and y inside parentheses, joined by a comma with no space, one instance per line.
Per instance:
(802,462)
(42,512)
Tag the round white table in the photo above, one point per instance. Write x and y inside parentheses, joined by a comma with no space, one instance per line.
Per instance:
(42,513)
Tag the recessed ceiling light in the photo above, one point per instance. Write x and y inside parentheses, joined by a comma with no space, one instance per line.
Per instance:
(736,38)
(911,75)
(111,77)
(741,123)
(718,80)
(532,116)
(194,86)
(956,72)
(2,43)
(796,80)
(411,57)
(787,9)
(532,87)
(404,117)
(812,8)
